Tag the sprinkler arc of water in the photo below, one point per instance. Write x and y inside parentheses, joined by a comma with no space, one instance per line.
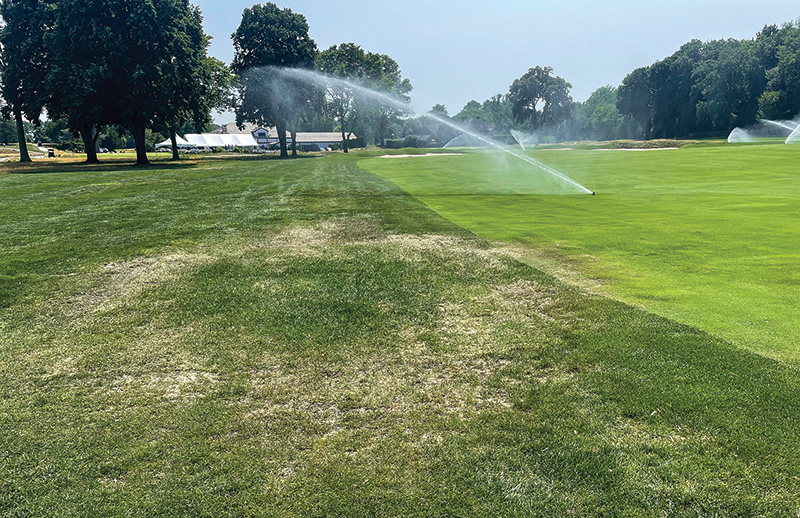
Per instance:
(323,80)
(524,158)
(794,133)
(781,125)
(523,138)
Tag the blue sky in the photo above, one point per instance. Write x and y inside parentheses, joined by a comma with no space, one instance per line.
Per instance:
(455,51)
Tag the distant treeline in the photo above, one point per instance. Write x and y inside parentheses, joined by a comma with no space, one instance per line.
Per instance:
(711,88)
(703,89)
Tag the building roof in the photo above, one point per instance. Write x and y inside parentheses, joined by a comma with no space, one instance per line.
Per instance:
(232,129)
(323,136)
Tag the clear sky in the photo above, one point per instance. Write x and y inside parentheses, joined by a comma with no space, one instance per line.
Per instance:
(454,51)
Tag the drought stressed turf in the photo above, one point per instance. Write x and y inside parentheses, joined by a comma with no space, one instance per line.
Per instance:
(303,338)
(709,236)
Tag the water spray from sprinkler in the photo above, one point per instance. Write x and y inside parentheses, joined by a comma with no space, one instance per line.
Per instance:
(325,80)
(766,128)
(794,134)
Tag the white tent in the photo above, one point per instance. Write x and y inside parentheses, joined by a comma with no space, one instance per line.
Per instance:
(212,141)
(181,143)
(215,140)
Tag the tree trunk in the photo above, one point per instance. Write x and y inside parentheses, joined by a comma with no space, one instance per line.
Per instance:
(89,137)
(174,140)
(294,143)
(138,130)
(23,142)
(281,127)
(344,141)
(383,129)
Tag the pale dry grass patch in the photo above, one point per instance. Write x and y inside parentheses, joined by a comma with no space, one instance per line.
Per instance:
(415,379)
(390,389)
(296,242)
(125,281)
(530,297)
(412,247)
(115,284)
(554,263)
(173,386)
(461,324)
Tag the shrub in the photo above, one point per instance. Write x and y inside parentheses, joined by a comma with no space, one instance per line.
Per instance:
(410,141)
(73,146)
(358,142)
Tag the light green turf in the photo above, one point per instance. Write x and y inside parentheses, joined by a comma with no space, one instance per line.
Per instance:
(707,235)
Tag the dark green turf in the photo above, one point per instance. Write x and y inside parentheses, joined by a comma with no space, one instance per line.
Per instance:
(302,338)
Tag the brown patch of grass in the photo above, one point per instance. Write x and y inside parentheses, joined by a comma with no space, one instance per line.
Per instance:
(173,386)
(530,297)
(565,269)
(411,383)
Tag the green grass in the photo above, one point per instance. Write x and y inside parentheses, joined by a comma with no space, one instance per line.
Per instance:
(303,338)
(708,236)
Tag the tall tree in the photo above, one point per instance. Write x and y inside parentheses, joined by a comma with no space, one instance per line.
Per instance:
(389,79)
(24,61)
(345,61)
(779,50)
(198,84)
(186,78)
(471,110)
(267,39)
(540,98)
(441,132)
(498,113)
(729,81)
(439,110)
(675,99)
(635,98)
(599,117)
(114,62)
(347,104)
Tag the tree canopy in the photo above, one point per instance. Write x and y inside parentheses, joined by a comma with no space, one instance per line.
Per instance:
(710,88)
(129,62)
(346,104)
(141,64)
(267,39)
(540,98)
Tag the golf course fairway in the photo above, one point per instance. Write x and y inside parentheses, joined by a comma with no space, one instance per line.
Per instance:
(709,236)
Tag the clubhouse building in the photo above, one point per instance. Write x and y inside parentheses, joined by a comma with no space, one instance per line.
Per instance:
(268,137)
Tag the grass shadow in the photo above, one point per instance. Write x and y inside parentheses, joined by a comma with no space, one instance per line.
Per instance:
(74,166)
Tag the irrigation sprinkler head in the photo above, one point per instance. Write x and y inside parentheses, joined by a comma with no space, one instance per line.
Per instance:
(592,193)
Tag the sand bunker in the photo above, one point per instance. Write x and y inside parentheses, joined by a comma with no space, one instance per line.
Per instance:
(639,149)
(426,154)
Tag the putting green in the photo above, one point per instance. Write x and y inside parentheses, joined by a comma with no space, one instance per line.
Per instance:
(708,235)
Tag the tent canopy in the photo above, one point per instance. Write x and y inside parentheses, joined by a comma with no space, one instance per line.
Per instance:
(181,142)
(212,140)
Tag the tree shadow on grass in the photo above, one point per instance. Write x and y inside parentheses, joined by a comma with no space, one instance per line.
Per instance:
(70,166)
(53,166)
